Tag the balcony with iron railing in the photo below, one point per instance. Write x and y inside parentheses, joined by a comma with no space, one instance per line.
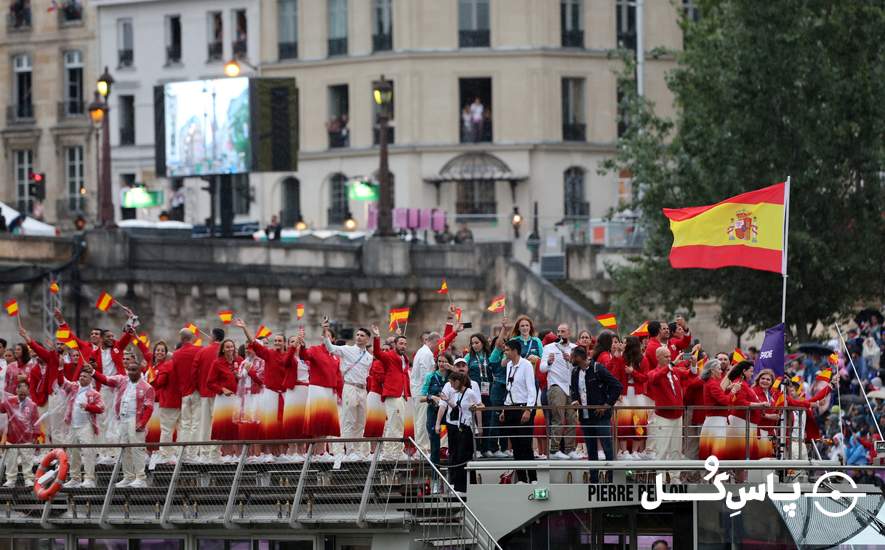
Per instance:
(127,135)
(18,19)
(574,131)
(287,50)
(474,132)
(382,42)
(577,210)
(71,108)
(125,58)
(376,135)
(20,113)
(476,211)
(337,46)
(239,48)
(70,13)
(215,51)
(573,38)
(339,138)
(479,38)
(173,53)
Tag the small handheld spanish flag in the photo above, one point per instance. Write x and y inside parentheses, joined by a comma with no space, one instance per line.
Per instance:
(608,321)
(64,336)
(144,339)
(11,307)
(192,327)
(641,331)
(833,359)
(444,288)
(53,287)
(199,342)
(263,332)
(104,302)
(458,312)
(499,303)
(398,315)
(824,374)
(737,356)
(226,316)
(299,311)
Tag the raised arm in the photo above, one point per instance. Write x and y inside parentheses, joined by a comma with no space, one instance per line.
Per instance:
(240,323)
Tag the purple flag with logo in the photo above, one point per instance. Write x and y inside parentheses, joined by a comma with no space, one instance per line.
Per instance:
(771,354)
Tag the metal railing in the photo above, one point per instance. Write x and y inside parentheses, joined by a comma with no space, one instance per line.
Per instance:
(239,48)
(215,51)
(18,19)
(125,57)
(287,50)
(71,108)
(173,53)
(337,46)
(572,38)
(574,131)
(382,42)
(478,38)
(20,113)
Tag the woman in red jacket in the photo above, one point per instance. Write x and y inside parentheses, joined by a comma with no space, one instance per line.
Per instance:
(766,419)
(295,397)
(628,365)
(742,432)
(321,419)
(222,381)
(150,367)
(168,394)
(795,398)
(713,431)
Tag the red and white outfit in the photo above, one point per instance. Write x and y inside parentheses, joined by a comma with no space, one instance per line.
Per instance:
(767,426)
(222,376)
(664,386)
(376,416)
(295,398)
(321,419)
(21,429)
(270,408)
(632,424)
(249,387)
(44,380)
(391,373)
(133,405)
(14,371)
(109,362)
(152,431)
(169,405)
(715,428)
(83,406)
(740,431)
(203,362)
(185,376)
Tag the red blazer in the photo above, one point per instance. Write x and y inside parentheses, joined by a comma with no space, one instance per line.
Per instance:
(694,398)
(275,365)
(757,415)
(116,354)
(679,345)
(223,375)
(811,429)
(651,349)
(390,372)
(659,389)
(166,386)
(322,366)
(715,396)
(144,396)
(618,368)
(745,397)
(185,368)
(203,363)
(41,383)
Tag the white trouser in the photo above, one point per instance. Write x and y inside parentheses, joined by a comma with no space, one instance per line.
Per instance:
(665,438)
(107,427)
(422,438)
(395,407)
(54,423)
(83,435)
(207,452)
(353,417)
(168,420)
(189,425)
(13,456)
(133,457)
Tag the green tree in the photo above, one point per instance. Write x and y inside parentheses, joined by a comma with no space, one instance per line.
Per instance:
(764,90)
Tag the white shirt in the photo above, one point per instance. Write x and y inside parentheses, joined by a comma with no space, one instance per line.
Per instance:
(107,363)
(303,371)
(79,416)
(450,398)
(520,381)
(422,365)
(355,362)
(127,404)
(560,372)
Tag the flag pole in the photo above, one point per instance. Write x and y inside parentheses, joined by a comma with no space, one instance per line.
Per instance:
(785,389)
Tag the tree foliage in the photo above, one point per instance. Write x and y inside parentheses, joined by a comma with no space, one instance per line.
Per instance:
(766,90)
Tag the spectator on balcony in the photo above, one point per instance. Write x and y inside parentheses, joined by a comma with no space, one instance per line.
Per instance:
(464,234)
(477,119)
(445,237)
(338,131)
(274,229)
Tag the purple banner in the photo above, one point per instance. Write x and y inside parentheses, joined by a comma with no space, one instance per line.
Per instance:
(771,354)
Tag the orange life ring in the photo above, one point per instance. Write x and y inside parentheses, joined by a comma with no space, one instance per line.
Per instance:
(55,455)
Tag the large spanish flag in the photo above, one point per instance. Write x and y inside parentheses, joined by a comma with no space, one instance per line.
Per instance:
(745,231)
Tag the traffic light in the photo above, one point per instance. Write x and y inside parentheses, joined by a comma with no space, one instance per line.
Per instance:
(37,186)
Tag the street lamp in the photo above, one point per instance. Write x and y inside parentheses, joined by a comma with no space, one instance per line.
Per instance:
(516,221)
(106,202)
(382,94)
(350,222)
(233,67)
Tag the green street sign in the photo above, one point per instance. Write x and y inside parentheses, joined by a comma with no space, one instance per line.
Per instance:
(139,197)
(359,190)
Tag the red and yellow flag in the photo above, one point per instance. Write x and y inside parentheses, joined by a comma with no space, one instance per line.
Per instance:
(199,342)
(608,321)
(745,231)
(192,327)
(824,374)
(833,359)
(737,356)
(104,302)
(226,316)
(11,307)
(499,303)
(299,311)
(53,287)
(398,315)
(64,336)
(144,339)
(641,331)
(263,332)
(458,312)
(443,288)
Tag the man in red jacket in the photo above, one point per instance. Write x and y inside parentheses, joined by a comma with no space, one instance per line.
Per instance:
(393,379)
(133,405)
(202,365)
(168,398)
(22,429)
(43,381)
(665,387)
(183,366)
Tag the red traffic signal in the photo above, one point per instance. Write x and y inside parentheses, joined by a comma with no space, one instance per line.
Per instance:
(38,177)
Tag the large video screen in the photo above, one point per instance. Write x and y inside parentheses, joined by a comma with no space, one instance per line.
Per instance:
(207,127)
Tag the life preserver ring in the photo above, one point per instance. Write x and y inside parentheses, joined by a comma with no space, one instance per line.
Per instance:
(54,478)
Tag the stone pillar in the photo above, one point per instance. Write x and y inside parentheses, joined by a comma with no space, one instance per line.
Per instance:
(386,257)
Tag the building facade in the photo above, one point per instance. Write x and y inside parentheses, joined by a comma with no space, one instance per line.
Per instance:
(47,54)
(498,104)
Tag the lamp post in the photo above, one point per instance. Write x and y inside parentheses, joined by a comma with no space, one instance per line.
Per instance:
(96,113)
(106,202)
(382,93)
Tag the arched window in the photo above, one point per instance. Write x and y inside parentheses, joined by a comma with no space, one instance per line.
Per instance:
(338,206)
(291,201)
(573,183)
